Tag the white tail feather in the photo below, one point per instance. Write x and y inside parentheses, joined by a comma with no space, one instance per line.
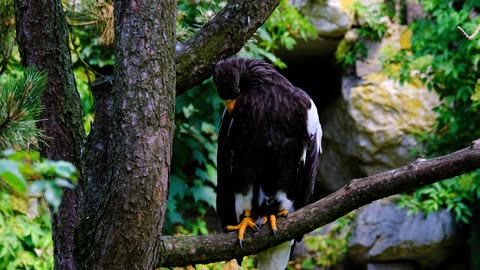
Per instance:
(275,258)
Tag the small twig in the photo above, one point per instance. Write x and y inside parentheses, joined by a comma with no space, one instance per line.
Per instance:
(472,36)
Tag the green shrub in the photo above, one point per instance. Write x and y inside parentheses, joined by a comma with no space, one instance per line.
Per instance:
(26,241)
(373,21)
(326,249)
(448,64)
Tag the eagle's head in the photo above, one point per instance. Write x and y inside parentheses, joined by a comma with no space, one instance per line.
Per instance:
(227,79)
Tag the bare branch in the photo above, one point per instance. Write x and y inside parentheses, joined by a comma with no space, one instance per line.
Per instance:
(473,35)
(186,250)
(220,38)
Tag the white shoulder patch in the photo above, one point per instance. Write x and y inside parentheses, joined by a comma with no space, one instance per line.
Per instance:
(313,124)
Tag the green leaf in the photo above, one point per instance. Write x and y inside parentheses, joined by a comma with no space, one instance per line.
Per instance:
(36,187)
(53,195)
(202,174)
(175,217)
(177,187)
(45,168)
(204,193)
(289,42)
(208,128)
(18,183)
(199,157)
(188,110)
(212,174)
(64,183)
(65,169)
(9,171)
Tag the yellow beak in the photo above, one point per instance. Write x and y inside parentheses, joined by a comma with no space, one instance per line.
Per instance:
(230,103)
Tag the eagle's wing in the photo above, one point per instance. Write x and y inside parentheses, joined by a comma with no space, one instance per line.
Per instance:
(225,188)
(307,170)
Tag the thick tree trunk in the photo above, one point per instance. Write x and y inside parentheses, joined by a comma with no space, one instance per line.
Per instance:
(125,231)
(43,42)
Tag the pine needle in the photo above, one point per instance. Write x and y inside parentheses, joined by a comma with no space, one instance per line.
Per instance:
(20,109)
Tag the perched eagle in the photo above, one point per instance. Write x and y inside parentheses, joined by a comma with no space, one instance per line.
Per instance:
(268,148)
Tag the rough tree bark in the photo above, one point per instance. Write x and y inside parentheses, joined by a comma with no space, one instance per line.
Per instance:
(181,251)
(124,232)
(43,42)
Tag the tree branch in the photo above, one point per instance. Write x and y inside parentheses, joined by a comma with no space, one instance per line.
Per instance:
(186,250)
(220,38)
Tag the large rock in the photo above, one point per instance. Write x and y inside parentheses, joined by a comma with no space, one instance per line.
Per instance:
(331,18)
(383,232)
(369,128)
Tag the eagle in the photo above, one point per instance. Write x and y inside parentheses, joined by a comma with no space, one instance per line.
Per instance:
(268,150)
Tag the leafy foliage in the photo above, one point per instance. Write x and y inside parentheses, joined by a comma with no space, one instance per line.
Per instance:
(20,109)
(193,176)
(458,195)
(373,21)
(23,171)
(451,73)
(347,53)
(283,28)
(91,37)
(191,15)
(448,64)
(26,240)
(372,18)
(327,246)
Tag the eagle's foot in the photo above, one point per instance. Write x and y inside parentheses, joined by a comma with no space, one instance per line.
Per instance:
(273,220)
(283,213)
(261,221)
(247,222)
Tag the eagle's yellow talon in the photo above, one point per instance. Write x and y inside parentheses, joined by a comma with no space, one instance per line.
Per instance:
(265,219)
(283,213)
(247,222)
(273,223)
(273,220)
